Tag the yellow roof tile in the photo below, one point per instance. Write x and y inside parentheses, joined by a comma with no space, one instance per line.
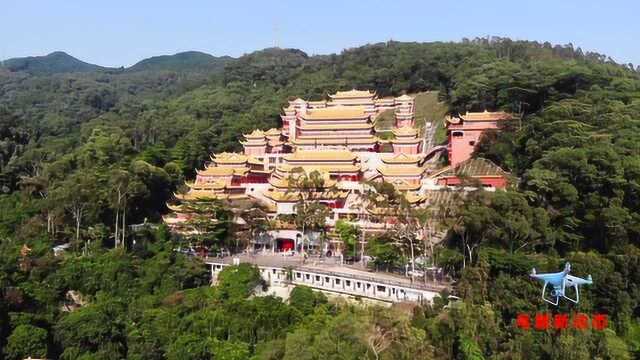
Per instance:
(405,131)
(335,113)
(229,158)
(216,185)
(400,170)
(321,155)
(353,93)
(255,134)
(480,116)
(253,160)
(273,132)
(199,195)
(402,159)
(320,168)
(216,171)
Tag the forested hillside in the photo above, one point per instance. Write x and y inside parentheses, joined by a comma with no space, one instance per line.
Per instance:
(79,149)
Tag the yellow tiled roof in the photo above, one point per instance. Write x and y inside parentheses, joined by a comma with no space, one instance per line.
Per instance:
(174,208)
(352,94)
(320,168)
(254,142)
(405,141)
(273,132)
(216,185)
(485,116)
(257,133)
(402,185)
(216,171)
(337,126)
(400,170)
(402,159)
(253,160)
(229,158)
(335,113)
(240,171)
(199,195)
(321,155)
(405,131)
(480,116)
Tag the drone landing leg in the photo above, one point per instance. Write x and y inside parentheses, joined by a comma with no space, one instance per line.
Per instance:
(544,289)
(577,298)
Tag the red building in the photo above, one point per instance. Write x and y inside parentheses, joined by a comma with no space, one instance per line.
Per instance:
(477,170)
(465,130)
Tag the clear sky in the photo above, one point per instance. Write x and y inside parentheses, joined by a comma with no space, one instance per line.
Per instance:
(120,33)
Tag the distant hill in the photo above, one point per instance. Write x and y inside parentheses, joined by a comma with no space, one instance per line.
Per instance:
(56,62)
(184,61)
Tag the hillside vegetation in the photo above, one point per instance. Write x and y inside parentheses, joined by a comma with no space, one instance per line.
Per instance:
(56,62)
(429,109)
(184,61)
(71,142)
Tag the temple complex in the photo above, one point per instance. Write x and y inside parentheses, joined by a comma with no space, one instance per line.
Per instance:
(336,139)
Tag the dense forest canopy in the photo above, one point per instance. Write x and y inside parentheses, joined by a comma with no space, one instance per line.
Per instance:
(70,141)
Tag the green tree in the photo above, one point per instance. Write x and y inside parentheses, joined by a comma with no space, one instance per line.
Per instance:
(26,341)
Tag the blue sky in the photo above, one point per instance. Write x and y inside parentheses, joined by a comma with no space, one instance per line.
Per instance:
(120,33)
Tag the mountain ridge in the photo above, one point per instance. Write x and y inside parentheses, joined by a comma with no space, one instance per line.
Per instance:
(182,61)
(61,62)
(55,62)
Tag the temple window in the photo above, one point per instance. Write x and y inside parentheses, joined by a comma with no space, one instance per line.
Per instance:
(457,134)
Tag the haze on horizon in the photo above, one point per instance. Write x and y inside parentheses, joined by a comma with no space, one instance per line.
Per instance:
(120,33)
